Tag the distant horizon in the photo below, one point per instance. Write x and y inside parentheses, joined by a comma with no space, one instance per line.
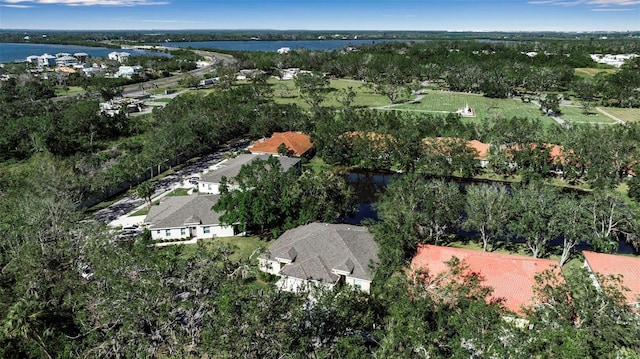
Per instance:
(324,30)
(322,15)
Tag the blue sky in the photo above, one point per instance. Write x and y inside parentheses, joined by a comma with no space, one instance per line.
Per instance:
(453,15)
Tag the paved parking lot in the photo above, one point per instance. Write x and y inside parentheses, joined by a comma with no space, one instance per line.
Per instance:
(180,178)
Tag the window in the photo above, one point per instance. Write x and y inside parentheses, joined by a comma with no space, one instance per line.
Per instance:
(158,231)
(206,229)
(167,232)
(183,231)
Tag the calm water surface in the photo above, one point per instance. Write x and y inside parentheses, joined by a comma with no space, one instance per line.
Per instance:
(12,52)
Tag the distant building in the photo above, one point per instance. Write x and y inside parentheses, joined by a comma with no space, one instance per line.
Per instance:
(284,50)
(46,60)
(66,60)
(119,56)
(81,56)
(613,60)
(33,60)
(128,71)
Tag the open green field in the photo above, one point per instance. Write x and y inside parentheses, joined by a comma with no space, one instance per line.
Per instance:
(574,114)
(486,108)
(623,114)
(592,71)
(286,92)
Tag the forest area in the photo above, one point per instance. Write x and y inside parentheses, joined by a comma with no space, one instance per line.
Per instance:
(146,301)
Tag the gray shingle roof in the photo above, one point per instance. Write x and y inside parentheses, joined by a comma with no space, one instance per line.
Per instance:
(232,167)
(177,211)
(321,248)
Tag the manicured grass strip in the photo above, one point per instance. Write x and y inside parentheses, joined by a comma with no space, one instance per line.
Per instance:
(575,114)
(70,91)
(624,114)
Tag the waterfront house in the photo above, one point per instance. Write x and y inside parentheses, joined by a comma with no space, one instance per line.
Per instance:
(322,255)
(511,277)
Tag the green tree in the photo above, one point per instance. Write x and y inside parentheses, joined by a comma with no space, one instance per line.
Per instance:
(424,210)
(487,212)
(534,217)
(574,222)
(313,87)
(579,319)
(145,190)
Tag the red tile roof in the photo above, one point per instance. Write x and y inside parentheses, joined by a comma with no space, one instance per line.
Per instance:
(296,142)
(611,264)
(510,276)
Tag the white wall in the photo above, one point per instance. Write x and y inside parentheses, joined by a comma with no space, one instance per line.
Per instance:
(208,187)
(177,233)
(174,233)
(363,285)
(214,231)
(269,266)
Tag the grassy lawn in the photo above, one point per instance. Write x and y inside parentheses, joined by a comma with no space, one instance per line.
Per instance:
(486,108)
(574,114)
(72,90)
(624,114)
(592,71)
(241,247)
(179,192)
(286,92)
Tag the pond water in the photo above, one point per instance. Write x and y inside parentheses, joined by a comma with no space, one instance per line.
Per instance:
(368,186)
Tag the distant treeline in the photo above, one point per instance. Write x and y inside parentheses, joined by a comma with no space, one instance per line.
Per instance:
(102,38)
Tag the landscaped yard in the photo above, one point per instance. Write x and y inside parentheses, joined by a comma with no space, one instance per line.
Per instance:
(241,247)
(575,114)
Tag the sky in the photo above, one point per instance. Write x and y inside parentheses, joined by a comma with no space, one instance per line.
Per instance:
(451,15)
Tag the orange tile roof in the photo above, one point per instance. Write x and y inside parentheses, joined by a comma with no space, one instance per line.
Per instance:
(297,142)
(444,146)
(611,264)
(481,148)
(510,276)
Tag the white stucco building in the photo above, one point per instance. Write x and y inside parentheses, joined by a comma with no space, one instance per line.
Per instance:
(186,217)
(322,255)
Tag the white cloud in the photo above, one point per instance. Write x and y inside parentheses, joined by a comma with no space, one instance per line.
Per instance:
(12,3)
(611,9)
(16,6)
(600,3)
